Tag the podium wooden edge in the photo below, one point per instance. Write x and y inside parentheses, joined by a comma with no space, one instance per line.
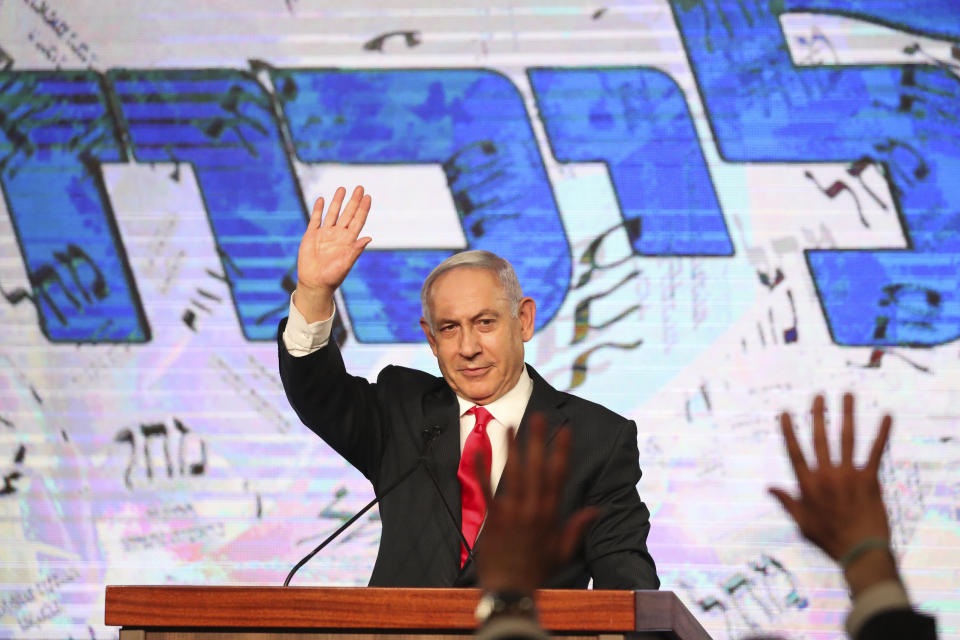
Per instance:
(661,611)
(387,610)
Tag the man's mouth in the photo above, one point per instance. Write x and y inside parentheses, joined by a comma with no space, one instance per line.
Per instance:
(474,372)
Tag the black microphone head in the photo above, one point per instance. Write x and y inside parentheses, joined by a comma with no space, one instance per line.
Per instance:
(430,433)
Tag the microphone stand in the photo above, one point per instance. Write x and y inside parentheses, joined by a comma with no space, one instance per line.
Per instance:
(430,434)
(453,518)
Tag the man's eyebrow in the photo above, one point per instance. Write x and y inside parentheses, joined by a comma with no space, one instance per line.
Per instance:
(486,312)
(474,318)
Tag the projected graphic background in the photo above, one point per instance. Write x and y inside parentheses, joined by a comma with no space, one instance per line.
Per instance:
(720,208)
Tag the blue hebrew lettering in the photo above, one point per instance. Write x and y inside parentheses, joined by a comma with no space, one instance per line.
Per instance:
(938,18)
(222,123)
(637,122)
(55,132)
(474,124)
(763,108)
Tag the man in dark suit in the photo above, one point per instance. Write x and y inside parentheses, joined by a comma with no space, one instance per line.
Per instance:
(476,321)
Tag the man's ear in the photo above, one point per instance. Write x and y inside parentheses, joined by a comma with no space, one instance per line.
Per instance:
(430,337)
(527,313)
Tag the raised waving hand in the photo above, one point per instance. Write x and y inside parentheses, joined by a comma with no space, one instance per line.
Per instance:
(840,506)
(328,250)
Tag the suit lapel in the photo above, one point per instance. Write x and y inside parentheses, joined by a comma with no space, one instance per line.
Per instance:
(546,401)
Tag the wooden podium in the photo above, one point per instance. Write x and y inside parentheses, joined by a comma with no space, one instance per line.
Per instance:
(365,613)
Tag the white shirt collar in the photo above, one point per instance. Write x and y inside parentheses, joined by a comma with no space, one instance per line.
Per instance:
(508,409)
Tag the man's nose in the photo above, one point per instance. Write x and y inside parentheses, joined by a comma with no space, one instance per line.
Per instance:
(469,343)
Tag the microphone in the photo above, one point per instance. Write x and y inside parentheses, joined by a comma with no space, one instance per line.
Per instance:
(433,432)
(453,518)
(429,435)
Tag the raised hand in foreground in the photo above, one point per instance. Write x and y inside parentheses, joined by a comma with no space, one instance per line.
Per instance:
(328,250)
(522,540)
(840,507)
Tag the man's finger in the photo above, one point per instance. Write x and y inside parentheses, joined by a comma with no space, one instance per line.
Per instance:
(788,502)
(350,210)
(556,471)
(333,211)
(316,216)
(797,461)
(820,447)
(846,432)
(484,479)
(511,477)
(359,246)
(879,444)
(360,217)
(533,463)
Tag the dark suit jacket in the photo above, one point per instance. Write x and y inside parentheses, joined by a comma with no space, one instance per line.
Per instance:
(379,429)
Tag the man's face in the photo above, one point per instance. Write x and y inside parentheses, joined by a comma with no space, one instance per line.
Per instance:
(477,341)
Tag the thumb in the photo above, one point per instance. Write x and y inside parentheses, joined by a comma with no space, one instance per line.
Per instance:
(788,502)
(361,243)
(358,246)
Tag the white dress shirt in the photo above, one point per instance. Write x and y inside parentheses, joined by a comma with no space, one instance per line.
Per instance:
(302,338)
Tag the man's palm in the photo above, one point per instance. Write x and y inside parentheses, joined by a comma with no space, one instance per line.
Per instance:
(330,245)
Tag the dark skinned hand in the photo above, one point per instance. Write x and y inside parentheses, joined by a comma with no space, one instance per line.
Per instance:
(840,504)
(523,540)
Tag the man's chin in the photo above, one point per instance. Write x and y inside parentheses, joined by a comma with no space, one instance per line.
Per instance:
(476,393)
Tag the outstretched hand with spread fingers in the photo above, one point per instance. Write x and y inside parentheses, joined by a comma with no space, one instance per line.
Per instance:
(840,505)
(328,250)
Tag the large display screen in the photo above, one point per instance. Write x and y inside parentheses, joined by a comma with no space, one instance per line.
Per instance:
(721,208)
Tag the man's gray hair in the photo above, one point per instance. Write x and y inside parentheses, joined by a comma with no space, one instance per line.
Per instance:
(476,259)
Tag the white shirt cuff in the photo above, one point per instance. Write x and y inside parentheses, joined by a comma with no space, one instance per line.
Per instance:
(883,596)
(302,339)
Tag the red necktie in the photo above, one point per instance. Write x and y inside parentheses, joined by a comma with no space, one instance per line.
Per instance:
(472,503)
